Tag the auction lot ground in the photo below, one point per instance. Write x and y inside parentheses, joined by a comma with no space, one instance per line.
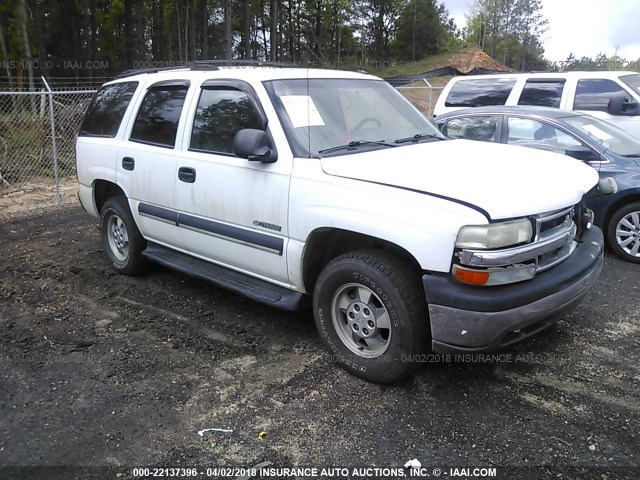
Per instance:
(101,369)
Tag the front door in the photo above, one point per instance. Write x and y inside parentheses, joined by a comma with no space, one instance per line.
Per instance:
(232,211)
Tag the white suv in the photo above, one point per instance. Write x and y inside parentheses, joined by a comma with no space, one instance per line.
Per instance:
(290,184)
(610,96)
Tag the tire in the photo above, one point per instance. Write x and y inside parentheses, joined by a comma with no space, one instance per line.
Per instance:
(370,310)
(122,241)
(623,232)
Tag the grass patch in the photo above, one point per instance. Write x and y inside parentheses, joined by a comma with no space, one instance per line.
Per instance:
(420,66)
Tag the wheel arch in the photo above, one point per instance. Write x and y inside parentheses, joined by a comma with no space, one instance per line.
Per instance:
(103,190)
(326,243)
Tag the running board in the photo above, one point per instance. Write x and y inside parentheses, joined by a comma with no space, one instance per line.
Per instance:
(240,283)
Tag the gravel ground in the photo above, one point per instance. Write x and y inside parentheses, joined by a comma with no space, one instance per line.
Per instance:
(101,369)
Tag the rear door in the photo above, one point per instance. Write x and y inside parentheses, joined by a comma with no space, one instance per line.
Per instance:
(147,159)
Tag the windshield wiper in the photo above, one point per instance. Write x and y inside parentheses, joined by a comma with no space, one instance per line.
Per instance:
(631,155)
(356,143)
(417,137)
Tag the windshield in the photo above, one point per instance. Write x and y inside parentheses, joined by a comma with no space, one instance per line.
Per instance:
(633,81)
(324,117)
(609,136)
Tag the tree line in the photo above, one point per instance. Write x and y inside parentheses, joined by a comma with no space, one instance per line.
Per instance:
(104,37)
(100,38)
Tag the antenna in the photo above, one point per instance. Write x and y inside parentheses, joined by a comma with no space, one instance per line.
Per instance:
(308,113)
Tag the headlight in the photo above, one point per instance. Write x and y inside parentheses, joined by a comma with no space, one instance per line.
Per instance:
(495,235)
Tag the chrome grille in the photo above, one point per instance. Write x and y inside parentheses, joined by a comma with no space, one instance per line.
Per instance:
(550,225)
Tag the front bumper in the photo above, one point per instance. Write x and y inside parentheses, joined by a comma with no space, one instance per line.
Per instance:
(468,319)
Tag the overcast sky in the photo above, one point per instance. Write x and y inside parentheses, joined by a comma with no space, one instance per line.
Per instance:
(584,27)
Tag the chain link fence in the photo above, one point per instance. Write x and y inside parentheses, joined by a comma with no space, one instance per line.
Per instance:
(424,98)
(37,135)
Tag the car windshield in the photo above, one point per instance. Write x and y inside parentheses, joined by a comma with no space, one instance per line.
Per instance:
(609,136)
(324,117)
(633,81)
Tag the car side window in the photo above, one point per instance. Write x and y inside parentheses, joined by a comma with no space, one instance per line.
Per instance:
(220,114)
(532,133)
(107,109)
(480,93)
(595,94)
(482,127)
(542,94)
(159,115)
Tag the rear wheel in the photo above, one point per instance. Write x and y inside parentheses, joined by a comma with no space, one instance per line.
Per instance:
(370,311)
(623,232)
(122,241)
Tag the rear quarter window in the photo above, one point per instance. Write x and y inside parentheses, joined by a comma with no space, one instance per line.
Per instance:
(107,109)
(480,93)
(482,127)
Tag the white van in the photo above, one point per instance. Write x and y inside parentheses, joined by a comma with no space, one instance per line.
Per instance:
(610,96)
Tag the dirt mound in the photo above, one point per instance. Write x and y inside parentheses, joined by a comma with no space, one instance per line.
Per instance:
(474,57)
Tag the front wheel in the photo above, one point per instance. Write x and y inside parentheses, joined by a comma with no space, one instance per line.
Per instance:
(370,311)
(623,232)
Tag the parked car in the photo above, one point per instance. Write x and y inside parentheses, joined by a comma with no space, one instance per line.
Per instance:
(285,185)
(610,96)
(610,150)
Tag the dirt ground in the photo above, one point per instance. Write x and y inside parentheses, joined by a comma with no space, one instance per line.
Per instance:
(101,369)
(36,196)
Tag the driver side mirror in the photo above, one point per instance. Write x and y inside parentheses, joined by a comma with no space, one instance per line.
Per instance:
(583,153)
(254,145)
(620,104)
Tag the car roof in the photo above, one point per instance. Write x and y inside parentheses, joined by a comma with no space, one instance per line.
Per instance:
(246,73)
(519,109)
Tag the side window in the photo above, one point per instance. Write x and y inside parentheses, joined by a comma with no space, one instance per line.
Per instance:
(105,113)
(532,133)
(159,115)
(481,127)
(221,113)
(480,93)
(542,94)
(595,94)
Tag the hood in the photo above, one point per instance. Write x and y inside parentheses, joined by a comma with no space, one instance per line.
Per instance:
(503,180)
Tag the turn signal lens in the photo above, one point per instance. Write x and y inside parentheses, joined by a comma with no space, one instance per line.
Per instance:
(473,277)
(497,276)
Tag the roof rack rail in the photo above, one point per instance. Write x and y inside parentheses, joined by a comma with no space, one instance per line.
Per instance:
(200,64)
(208,65)
(138,71)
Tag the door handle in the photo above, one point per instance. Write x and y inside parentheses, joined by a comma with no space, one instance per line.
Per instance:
(187,174)
(128,163)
